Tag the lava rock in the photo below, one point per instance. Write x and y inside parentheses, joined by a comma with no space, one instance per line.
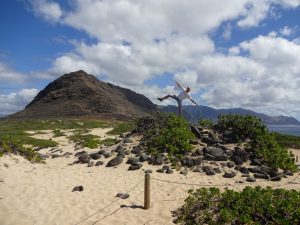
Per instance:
(91,164)
(229,175)
(95,156)
(261,176)
(99,163)
(115,161)
(136,150)
(208,140)
(244,155)
(230,164)
(107,154)
(237,160)
(101,152)
(84,159)
(187,162)
(78,188)
(169,171)
(78,154)
(244,170)
(196,132)
(160,170)
(214,153)
(132,160)
(253,169)
(250,179)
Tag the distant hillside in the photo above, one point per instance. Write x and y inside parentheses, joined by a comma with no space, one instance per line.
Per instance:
(193,113)
(81,94)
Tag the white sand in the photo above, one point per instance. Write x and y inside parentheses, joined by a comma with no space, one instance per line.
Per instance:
(42,194)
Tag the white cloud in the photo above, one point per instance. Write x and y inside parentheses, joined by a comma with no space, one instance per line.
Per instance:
(287,31)
(16,101)
(47,9)
(8,75)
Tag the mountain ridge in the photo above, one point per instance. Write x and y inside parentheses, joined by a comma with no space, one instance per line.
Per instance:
(194,113)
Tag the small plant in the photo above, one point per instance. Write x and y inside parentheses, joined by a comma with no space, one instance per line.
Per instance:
(206,123)
(120,128)
(163,132)
(9,144)
(85,140)
(58,133)
(108,141)
(251,206)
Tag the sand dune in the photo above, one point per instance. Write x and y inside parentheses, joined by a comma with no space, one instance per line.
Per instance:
(39,194)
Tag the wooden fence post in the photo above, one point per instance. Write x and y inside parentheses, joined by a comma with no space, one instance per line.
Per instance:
(147,192)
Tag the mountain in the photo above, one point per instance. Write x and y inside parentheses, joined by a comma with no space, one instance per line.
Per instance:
(81,94)
(194,113)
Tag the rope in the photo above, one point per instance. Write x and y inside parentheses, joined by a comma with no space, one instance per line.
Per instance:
(111,203)
(175,182)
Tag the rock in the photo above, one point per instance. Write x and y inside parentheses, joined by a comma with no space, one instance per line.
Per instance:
(238,167)
(261,176)
(101,152)
(197,161)
(187,162)
(214,137)
(99,163)
(217,170)
(143,157)
(230,164)
(128,152)
(133,167)
(256,162)
(229,175)
(244,155)
(288,173)
(208,140)
(169,171)
(95,156)
(115,161)
(196,132)
(253,169)
(210,172)
(148,171)
(237,160)
(132,160)
(213,153)
(244,170)
(275,175)
(165,167)
(91,164)
(197,169)
(228,152)
(107,154)
(199,152)
(55,156)
(194,142)
(78,188)
(250,179)
(78,154)
(158,160)
(84,159)
(121,153)
(265,170)
(136,150)
(160,170)
(245,175)
(122,195)
(128,141)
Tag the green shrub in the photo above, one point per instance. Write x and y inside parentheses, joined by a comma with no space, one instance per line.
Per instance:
(120,128)
(58,133)
(164,132)
(251,206)
(108,141)
(9,144)
(288,141)
(206,123)
(85,140)
(261,142)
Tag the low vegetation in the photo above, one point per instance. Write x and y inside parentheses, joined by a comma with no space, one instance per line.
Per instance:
(261,142)
(250,206)
(288,141)
(120,128)
(164,132)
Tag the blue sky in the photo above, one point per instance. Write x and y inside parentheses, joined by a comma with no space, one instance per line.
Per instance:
(233,53)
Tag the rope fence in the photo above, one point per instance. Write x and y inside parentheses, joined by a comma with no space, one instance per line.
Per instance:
(147,193)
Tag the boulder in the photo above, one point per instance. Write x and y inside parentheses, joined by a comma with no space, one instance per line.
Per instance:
(101,152)
(160,170)
(169,171)
(99,163)
(229,174)
(143,157)
(261,176)
(107,154)
(133,167)
(208,140)
(210,172)
(250,179)
(91,164)
(187,162)
(78,154)
(95,156)
(132,160)
(78,188)
(136,150)
(243,154)
(196,132)
(217,170)
(230,164)
(115,161)
(158,160)
(253,169)
(244,170)
(199,151)
(84,159)
(214,137)
(213,153)
(197,161)
(127,152)
(237,160)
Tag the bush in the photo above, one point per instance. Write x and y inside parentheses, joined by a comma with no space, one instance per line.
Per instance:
(206,123)
(261,142)
(251,206)
(9,144)
(164,132)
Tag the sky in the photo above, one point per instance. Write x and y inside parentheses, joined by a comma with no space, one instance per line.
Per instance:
(232,53)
